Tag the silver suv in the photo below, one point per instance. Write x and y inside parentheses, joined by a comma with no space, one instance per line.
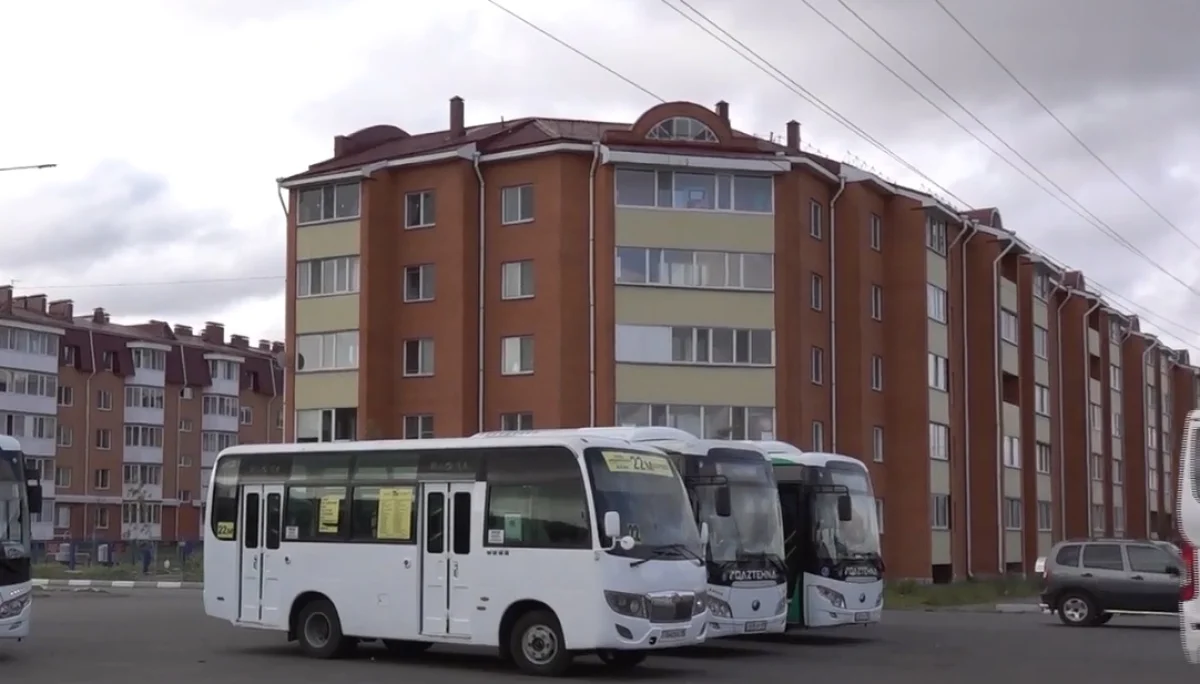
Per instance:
(1088,581)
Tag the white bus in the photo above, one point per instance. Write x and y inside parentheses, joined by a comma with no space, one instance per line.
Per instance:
(517,544)
(1187,519)
(835,566)
(732,489)
(20,497)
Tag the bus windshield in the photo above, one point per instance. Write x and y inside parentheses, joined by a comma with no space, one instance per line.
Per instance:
(646,490)
(12,488)
(753,528)
(855,538)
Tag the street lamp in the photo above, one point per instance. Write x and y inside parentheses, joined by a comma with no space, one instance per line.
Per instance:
(30,167)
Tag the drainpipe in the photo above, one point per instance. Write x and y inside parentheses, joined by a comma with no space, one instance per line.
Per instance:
(970,230)
(1145,357)
(1062,469)
(284,409)
(833,412)
(592,284)
(87,443)
(482,282)
(996,373)
(1087,402)
(1125,335)
(179,439)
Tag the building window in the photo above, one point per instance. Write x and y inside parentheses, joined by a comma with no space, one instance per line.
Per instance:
(939,512)
(1012,513)
(516,421)
(877,444)
(139,474)
(818,436)
(326,425)
(816,293)
(66,396)
(336,275)
(1041,342)
(817,369)
(419,283)
(516,355)
(710,422)
(228,370)
(1008,326)
(1041,400)
(103,439)
(1041,285)
(104,400)
(102,518)
(877,373)
(145,397)
(62,477)
(939,442)
(516,204)
(939,372)
(682,128)
(1116,424)
(418,357)
(1045,516)
(935,236)
(1042,451)
(1114,376)
(144,436)
(28,341)
(418,427)
(219,405)
(877,302)
(1115,331)
(1097,520)
(1118,521)
(420,209)
(327,351)
(328,203)
(695,191)
(149,359)
(101,478)
(1096,467)
(66,436)
(247,415)
(1151,437)
(1118,471)
(185,424)
(936,303)
(1012,451)
(707,346)
(875,233)
(689,268)
(516,279)
(814,219)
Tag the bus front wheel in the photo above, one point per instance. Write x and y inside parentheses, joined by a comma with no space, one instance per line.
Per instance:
(537,646)
(319,631)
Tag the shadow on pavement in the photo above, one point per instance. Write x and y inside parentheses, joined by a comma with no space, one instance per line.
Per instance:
(722,648)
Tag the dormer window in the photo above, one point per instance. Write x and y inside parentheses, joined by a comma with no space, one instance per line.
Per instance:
(683,128)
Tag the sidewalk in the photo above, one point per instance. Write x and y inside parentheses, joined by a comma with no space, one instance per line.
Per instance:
(116,584)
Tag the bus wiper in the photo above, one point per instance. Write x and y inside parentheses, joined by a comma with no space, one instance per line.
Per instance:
(668,551)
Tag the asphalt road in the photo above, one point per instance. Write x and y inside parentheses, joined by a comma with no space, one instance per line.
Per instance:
(121,637)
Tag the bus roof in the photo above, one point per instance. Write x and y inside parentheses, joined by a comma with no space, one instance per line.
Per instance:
(9,443)
(567,440)
(667,438)
(782,452)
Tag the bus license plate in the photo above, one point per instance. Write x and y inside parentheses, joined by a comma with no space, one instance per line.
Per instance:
(862,617)
(674,633)
(758,626)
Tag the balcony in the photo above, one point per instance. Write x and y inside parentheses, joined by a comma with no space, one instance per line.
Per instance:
(142,454)
(208,459)
(142,492)
(26,403)
(141,531)
(219,423)
(42,530)
(144,416)
(48,490)
(147,377)
(37,446)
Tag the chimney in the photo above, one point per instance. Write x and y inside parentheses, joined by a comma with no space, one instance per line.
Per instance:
(213,333)
(277,347)
(99,315)
(458,121)
(183,330)
(264,345)
(62,308)
(239,341)
(339,145)
(793,136)
(35,303)
(723,110)
(5,295)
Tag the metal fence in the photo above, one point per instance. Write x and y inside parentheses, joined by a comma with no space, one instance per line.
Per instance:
(123,560)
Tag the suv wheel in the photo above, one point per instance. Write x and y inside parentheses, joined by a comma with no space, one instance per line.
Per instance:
(1078,610)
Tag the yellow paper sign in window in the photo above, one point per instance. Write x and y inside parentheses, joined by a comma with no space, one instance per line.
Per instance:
(395,513)
(226,530)
(328,515)
(640,464)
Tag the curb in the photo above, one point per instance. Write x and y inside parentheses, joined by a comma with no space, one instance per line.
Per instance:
(118,584)
(1018,608)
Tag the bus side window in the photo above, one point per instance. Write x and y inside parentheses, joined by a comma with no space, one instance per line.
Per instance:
(435,522)
(274,520)
(251,531)
(461,524)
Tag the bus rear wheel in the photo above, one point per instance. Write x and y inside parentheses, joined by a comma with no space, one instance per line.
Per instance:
(537,646)
(319,631)
(622,660)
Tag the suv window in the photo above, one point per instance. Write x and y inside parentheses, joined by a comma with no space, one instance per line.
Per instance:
(1103,557)
(1068,556)
(1148,559)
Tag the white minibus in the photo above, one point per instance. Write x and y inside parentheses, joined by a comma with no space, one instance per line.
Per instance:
(20,497)
(1187,516)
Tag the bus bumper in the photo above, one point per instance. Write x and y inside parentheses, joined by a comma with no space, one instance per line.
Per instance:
(1189,624)
(726,627)
(637,634)
(16,612)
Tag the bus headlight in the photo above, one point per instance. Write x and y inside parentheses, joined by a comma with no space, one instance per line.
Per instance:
(13,607)
(832,596)
(781,606)
(719,608)
(630,605)
(701,603)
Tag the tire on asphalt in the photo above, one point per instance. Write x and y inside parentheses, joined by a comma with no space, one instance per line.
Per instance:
(319,631)
(1076,609)
(536,645)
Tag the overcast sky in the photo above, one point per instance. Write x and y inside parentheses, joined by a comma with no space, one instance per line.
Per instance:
(170,121)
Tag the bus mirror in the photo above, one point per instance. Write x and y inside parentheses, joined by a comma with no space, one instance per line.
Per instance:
(703,534)
(612,525)
(33,491)
(845,510)
(724,505)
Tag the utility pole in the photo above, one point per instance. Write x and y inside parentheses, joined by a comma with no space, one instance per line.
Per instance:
(28,167)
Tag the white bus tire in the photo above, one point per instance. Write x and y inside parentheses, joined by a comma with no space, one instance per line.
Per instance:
(319,631)
(537,646)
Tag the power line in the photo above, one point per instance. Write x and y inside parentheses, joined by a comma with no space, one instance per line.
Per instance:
(1082,211)
(1087,148)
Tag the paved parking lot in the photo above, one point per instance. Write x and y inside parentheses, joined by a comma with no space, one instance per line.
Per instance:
(119,637)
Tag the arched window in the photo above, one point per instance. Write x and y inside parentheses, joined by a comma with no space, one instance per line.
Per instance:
(682,128)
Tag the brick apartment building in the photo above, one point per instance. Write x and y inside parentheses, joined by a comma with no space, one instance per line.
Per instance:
(124,421)
(520,274)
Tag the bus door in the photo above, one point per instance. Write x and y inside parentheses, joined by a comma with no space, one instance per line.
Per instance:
(261,559)
(445,559)
(795,533)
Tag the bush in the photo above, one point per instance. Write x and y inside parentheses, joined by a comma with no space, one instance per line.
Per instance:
(910,594)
